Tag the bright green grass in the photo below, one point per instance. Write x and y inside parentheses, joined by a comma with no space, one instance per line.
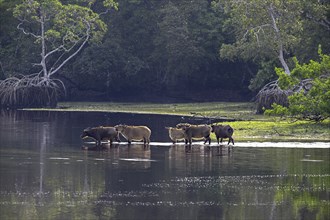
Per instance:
(248,127)
(281,130)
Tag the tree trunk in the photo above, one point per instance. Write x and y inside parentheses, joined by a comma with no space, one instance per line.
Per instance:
(279,41)
(43,47)
(281,57)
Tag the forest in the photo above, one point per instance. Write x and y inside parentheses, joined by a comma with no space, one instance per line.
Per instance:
(155,50)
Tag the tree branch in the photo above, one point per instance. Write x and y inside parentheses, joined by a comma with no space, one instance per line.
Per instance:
(256,31)
(323,22)
(75,53)
(54,51)
(27,33)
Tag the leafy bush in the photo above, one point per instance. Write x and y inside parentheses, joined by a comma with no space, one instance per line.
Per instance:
(310,86)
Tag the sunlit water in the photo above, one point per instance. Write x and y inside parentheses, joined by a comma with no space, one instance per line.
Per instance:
(45,174)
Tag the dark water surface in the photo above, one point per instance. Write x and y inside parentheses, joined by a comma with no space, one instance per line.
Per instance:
(46,175)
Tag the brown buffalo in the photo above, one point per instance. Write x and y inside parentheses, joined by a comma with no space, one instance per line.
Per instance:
(223,131)
(135,133)
(101,133)
(176,134)
(195,132)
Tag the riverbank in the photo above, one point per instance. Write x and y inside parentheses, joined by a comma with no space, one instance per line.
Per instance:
(248,126)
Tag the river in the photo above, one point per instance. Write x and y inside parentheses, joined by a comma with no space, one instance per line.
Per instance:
(46,174)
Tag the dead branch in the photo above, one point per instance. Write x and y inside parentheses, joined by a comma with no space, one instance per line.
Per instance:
(272,93)
(269,94)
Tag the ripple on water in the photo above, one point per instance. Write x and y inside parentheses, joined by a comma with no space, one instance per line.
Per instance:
(259,182)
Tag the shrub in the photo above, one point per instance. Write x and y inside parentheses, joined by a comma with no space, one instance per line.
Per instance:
(310,86)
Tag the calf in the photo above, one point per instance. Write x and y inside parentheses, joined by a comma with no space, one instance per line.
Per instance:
(223,131)
(101,133)
(176,134)
(135,133)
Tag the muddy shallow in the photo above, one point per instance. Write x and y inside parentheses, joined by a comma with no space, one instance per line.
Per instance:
(45,174)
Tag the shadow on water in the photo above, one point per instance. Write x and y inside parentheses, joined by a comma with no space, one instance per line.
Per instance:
(46,174)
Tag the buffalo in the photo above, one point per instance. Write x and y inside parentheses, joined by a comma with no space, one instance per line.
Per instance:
(195,132)
(223,131)
(101,133)
(134,133)
(176,134)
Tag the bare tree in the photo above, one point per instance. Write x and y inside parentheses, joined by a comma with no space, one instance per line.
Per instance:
(61,31)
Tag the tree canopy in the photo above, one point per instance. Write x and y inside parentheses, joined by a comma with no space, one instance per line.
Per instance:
(269,30)
(200,49)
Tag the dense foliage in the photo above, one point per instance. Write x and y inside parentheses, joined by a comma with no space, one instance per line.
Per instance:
(158,46)
(310,86)
(272,32)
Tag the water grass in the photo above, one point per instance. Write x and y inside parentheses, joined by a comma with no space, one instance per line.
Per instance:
(235,110)
(248,125)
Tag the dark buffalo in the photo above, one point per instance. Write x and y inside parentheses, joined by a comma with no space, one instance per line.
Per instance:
(223,131)
(101,133)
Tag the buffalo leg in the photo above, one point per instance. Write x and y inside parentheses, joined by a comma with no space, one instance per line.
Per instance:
(207,139)
(232,140)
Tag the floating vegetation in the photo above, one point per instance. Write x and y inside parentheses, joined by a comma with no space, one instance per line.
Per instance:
(137,159)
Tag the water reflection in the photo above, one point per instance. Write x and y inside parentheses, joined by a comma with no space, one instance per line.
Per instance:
(46,174)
